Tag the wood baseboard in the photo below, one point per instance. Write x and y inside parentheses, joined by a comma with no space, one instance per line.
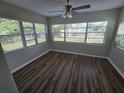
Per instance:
(118,70)
(83,54)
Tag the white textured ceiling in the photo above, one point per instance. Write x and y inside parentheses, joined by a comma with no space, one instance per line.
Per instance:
(44,6)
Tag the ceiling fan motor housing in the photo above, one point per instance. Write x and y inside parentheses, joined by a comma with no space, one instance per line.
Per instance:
(68,8)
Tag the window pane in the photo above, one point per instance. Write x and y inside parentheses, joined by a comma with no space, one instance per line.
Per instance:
(29,33)
(97,41)
(97,26)
(58,36)
(92,24)
(41,37)
(120,36)
(75,32)
(95,35)
(27,24)
(40,31)
(75,37)
(39,28)
(78,27)
(30,39)
(10,36)
(95,38)
(58,32)
(58,28)
(28,28)
(96,32)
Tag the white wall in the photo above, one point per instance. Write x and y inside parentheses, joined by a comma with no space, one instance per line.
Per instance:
(101,50)
(20,57)
(10,11)
(117,55)
(7,84)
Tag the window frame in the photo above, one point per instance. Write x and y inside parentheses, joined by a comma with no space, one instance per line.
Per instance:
(10,51)
(105,34)
(58,32)
(114,44)
(33,33)
(45,27)
(86,33)
(22,35)
(76,33)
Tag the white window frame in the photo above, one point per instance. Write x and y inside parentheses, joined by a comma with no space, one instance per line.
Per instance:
(76,33)
(86,33)
(104,39)
(40,33)
(58,32)
(115,45)
(23,35)
(7,52)
(33,33)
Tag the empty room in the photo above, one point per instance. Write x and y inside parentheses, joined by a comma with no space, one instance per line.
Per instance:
(61,46)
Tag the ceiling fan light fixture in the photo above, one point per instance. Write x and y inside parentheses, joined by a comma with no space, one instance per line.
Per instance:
(67,15)
(70,16)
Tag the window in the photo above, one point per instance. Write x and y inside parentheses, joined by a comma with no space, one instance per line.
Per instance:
(10,36)
(96,32)
(29,33)
(92,32)
(120,36)
(75,32)
(17,34)
(40,32)
(58,32)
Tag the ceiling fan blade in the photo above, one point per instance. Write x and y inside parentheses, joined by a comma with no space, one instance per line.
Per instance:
(81,7)
(56,11)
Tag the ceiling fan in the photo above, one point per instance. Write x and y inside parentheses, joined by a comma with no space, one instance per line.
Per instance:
(69,10)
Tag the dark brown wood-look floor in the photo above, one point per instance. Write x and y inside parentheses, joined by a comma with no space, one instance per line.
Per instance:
(58,72)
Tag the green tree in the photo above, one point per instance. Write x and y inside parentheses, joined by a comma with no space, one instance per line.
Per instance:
(39,27)
(9,27)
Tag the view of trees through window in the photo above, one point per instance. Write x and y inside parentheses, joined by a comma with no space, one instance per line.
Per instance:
(120,36)
(76,32)
(11,36)
(91,32)
(29,33)
(40,31)
(96,32)
(58,32)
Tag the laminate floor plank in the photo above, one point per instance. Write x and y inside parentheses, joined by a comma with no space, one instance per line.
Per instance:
(58,72)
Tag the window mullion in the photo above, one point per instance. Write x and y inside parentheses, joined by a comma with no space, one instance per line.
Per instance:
(64,32)
(86,33)
(46,32)
(22,34)
(34,33)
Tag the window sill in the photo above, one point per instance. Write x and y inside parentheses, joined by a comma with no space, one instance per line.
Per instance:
(121,49)
(80,43)
(95,44)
